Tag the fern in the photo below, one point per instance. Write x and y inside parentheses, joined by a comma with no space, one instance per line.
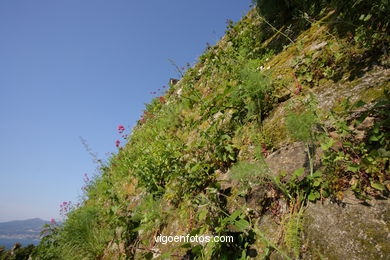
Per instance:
(292,237)
(300,125)
(255,90)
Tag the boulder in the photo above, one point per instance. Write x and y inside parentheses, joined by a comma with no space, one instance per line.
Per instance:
(353,231)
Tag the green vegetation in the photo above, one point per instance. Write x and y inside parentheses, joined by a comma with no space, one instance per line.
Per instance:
(81,234)
(17,252)
(268,83)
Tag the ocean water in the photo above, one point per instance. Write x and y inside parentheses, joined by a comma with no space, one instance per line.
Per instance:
(9,243)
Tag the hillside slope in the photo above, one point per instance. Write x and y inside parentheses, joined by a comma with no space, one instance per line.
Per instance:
(23,231)
(278,137)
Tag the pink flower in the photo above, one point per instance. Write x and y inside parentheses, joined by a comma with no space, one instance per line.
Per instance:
(117,143)
(121,129)
(53,221)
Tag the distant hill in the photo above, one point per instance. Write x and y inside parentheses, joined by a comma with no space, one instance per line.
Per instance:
(23,231)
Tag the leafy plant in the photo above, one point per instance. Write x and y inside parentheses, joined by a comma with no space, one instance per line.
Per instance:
(359,158)
(150,214)
(293,228)
(301,127)
(255,91)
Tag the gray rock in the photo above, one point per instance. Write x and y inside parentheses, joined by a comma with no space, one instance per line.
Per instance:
(287,159)
(290,158)
(350,231)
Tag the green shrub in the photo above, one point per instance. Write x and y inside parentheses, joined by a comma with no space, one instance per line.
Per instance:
(278,12)
(254,94)
(83,236)
(247,174)
(300,125)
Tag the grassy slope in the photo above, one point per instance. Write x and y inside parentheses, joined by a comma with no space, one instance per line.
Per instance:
(232,103)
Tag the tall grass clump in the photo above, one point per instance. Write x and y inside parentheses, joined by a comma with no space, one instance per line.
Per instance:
(83,236)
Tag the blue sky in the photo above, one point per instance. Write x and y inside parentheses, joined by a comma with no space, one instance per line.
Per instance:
(80,68)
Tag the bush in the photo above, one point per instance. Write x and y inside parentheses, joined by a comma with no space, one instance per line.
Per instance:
(255,91)
(83,236)
(277,12)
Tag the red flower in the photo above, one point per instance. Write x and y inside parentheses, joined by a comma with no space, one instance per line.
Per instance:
(297,85)
(264,149)
(162,100)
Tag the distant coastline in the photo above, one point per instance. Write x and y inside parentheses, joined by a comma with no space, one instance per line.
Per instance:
(8,243)
(25,232)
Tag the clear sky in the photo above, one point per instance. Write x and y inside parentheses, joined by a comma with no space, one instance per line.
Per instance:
(80,68)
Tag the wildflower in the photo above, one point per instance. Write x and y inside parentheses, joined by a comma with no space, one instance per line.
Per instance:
(117,143)
(264,149)
(297,84)
(162,100)
(121,129)
(53,221)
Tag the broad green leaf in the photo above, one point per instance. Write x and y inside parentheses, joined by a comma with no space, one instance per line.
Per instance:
(202,215)
(353,168)
(299,172)
(328,144)
(378,186)
(317,174)
(235,214)
(241,224)
(314,196)
(373,138)
(368,17)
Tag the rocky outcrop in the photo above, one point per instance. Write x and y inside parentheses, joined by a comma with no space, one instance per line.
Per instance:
(354,231)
